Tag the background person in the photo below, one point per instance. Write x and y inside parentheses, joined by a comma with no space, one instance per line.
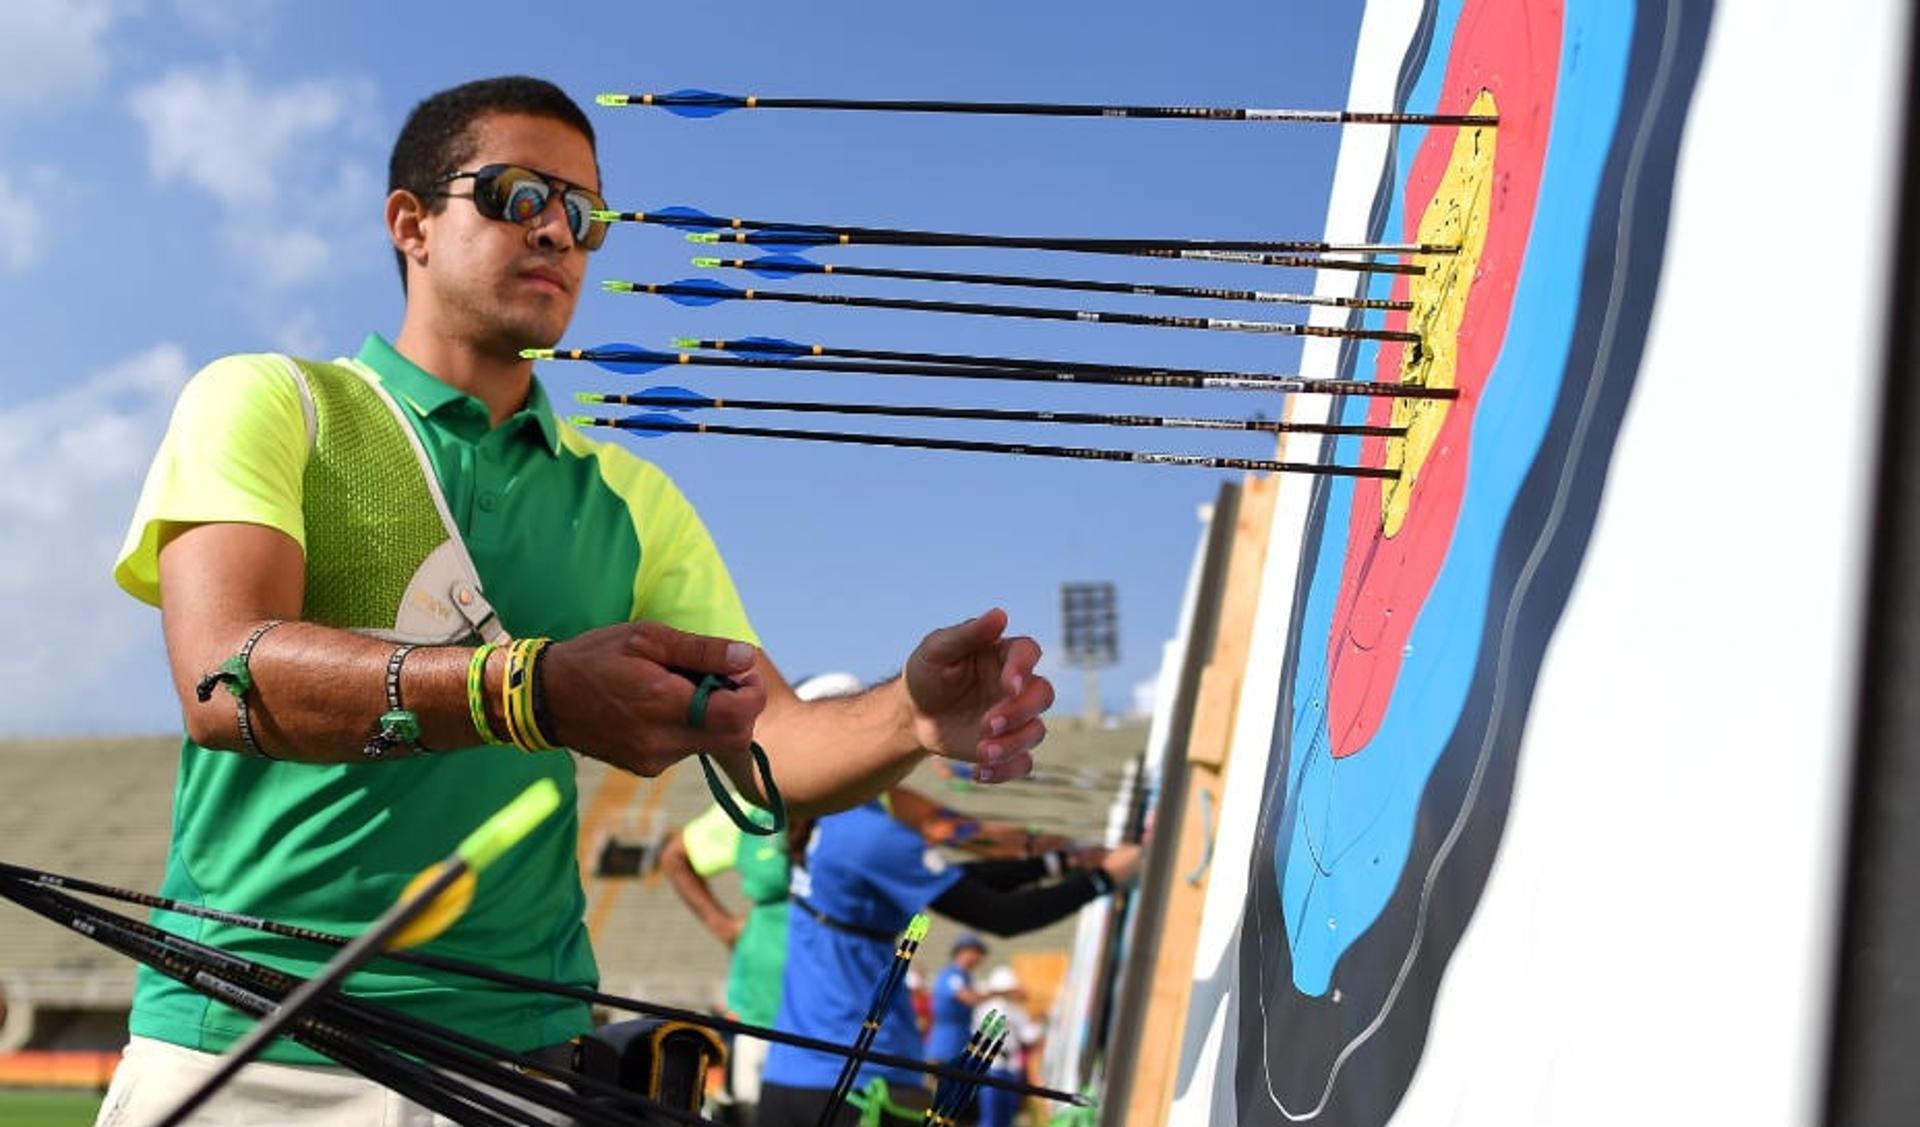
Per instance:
(865,875)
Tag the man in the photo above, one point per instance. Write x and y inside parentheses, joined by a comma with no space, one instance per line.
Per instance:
(954,999)
(866,873)
(300,517)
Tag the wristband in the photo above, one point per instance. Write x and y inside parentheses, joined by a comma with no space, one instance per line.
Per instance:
(398,727)
(477,693)
(236,673)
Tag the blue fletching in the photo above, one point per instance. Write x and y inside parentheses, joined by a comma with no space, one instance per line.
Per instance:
(699,103)
(693,400)
(691,218)
(709,292)
(778,345)
(783,266)
(790,238)
(654,424)
(636,366)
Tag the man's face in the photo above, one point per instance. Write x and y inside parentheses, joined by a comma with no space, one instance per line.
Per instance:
(499,285)
(968,958)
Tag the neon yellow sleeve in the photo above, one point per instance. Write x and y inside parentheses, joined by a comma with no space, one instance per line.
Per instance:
(712,841)
(235,451)
(682,581)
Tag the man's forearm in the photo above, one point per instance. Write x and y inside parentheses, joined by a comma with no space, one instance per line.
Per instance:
(829,755)
(318,693)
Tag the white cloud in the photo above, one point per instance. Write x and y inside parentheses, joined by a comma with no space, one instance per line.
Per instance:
(284,162)
(248,21)
(218,130)
(50,51)
(86,656)
(23,224)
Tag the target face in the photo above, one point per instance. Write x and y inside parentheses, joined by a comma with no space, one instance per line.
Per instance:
(1425,603)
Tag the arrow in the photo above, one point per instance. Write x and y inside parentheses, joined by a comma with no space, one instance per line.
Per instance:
(707,229)
(682,399)
(437,897)
(656,424)
(876,1012)
(788,265)
(630,360)
(950,1097)
(707,103)
(704,291)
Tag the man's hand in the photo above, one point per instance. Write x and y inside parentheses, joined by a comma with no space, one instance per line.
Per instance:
(1122,863)
(614,694)
(976,697)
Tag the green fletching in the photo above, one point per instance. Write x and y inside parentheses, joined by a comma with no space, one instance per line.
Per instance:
(604,216)
(708,263)
(613,99)
(917,927)
(581,420)
(703,237)
(613,286)
(589,397)
(514,821)
(686,342)
(538,353)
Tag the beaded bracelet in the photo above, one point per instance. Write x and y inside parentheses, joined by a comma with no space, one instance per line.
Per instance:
(237,675)
(398,726)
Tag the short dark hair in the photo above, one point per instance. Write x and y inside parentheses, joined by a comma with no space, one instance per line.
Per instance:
(438,135)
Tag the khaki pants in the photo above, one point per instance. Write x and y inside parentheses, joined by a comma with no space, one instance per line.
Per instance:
(155,1076)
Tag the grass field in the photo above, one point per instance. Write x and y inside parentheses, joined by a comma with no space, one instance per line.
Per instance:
(48,1109)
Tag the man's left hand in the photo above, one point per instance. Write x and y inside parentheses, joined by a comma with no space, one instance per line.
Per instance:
(976,697)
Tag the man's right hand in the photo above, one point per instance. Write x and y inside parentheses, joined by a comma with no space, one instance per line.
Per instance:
(615,694)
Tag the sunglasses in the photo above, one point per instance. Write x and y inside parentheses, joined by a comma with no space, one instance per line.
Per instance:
(513,194)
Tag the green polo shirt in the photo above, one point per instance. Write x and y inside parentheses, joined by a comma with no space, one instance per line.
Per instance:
(758,966)
(567,534)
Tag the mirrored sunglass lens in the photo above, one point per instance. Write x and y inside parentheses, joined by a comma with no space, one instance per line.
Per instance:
(581,205)
(523,199)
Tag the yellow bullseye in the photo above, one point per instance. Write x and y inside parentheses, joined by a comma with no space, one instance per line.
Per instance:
(1456,216)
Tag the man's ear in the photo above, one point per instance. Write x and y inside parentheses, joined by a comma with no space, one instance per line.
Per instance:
(407,225)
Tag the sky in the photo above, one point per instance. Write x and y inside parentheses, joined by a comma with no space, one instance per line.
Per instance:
(181,179)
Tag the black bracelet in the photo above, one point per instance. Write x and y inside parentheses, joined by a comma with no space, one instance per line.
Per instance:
(236,673)
(398,727)
(1102,883)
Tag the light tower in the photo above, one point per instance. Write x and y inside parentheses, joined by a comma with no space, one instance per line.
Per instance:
(1092,627)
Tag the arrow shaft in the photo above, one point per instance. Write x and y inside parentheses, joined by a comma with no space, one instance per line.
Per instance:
(1202,461)
(1084,316)
(1040,372)
(986,414)
(760,233)
(1248,258)
(733,229)
(1140,289)
(1069,109)
(368,944)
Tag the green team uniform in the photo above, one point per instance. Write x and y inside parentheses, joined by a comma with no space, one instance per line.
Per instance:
(759,962)
(566,534)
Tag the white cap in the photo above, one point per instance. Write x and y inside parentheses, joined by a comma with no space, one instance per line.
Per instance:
(824,685)
(1002,979)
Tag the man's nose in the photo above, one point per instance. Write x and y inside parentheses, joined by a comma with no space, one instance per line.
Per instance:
(550,229)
